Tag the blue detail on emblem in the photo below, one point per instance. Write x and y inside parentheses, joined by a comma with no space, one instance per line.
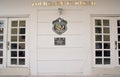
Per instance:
(59,26)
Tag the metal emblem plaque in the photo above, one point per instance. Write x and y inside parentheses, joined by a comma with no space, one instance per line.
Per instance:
(59,41)
(59,26)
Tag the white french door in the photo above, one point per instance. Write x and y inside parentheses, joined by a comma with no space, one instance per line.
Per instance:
(13,42)
(106,41)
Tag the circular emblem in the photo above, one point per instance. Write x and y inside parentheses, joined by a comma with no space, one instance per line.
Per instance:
(59,26)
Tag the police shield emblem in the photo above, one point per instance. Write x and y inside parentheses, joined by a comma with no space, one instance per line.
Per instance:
(59,26)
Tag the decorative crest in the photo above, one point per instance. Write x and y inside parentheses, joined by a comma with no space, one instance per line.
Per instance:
(59,26)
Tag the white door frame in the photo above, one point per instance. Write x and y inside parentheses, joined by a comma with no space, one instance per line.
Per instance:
(6,47)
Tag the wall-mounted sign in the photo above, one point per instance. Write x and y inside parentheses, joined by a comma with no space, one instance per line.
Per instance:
(59,41)
(59,26)
(65,3)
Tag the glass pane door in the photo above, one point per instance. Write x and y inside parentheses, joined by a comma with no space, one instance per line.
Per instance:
(102,41)
(118,41)
(17,42)
(3,26)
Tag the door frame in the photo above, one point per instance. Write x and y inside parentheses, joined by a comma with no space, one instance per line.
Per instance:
(6,61)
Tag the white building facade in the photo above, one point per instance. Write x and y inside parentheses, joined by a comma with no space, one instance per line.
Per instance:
(76,38)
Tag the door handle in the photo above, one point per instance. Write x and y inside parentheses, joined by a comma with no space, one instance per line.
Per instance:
(115,45)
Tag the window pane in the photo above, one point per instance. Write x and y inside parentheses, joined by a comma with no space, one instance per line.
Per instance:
(98,53)
(14,61)
(98,61)
(118,53)
(118,45)
(1,30)
(13,38)
(98,22)
(22,31)
(118,22)
(1,38)
(106,53)
(21,53)
(13,53)
(14,31)
(21,61)
(118,30)
(106,30)
(1,53)
(21,38)
(106,22)
(14,46)
(98,30)
(98,45)
(22,46)
(98,37)
(14,23)
(106,37)
(1,45)
(106,45)
(119,61)
(1,61)
(1,23)
(22,23)
(106,60)
(118,37)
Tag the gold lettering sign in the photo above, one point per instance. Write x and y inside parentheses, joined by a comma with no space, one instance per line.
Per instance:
(64,3)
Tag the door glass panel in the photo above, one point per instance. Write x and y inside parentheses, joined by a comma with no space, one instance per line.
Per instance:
(21,53)
(14,46)
(106,30)
(118,37)
(98,30)
(1,45)
(14,31)
(21,61)
(1,38)
(106,60)
(106,22)
(14,61)
(98,53)
(14,23)
(98,22)
(1,30)
(1,60)
(106,45)
(14,38)
(13,53)
(118,53)
(22,31)
(21,46)
(106,37)
(1,53)
(98,37)
(118,22)
(98,45)
(22,38)
(1,23)
(107,53)
(22,23)
(118,30)
(98,61)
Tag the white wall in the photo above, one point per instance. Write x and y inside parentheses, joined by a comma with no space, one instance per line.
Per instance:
(43,55)
(68,59)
